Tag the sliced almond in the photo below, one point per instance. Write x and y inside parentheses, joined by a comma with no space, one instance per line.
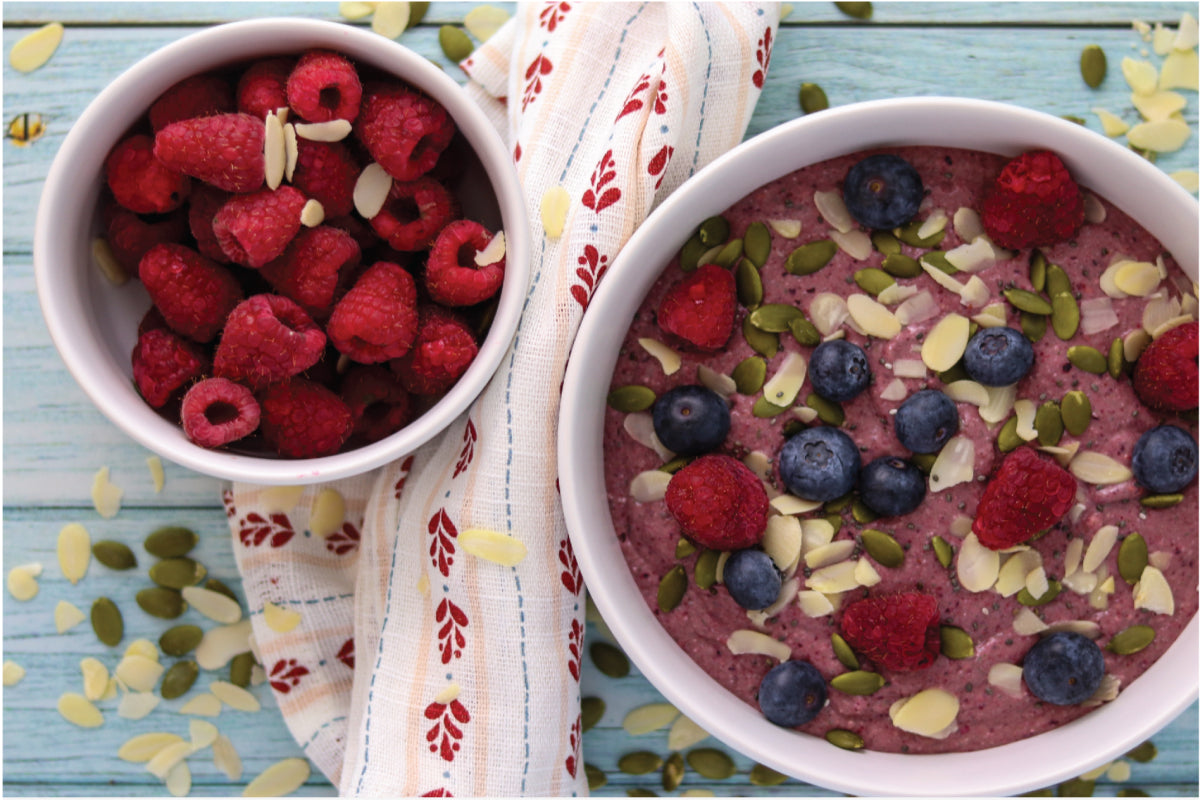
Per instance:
(827,312)
(219,645)
(145,746)
(1159,105)
(833,579)
(204,705)
(1161,136)
(1028,623)
(785,384)
(719,382)
(1136,278)
(214,605)
(928,713)
(482,22)
(1179,70)
(234,696)
(22,581)
(178,780)
(787,593)
(814,604)
(832,208)
(1000,403)
(493,546)
(872,316)
(1084,627)
(934,223)
(1158,310)
(1170,324)
(202,733)
(280,619)
(35,48)
(1015,570)
(816,532)
(1134,343)
(139,673)
(895,390)
(1099,469)
(144,648)
(668,359)
(78,710)
(856,244)
(1097,314)
(95,678)
(975,293)
(74,551)
(333,130)
(327,515)
(967,224)
(977,566)
(67,616)
(282,777)
(274,151)
(865,574)
(684,733)
(1036,583)
(1101,544)
(896,293)
(166,758)
(918,308)
(137,705)
(280,499)
(955,464)
(960,526)
(492,252)
(1160,559)
(966,392)
(1141,76)
(1153,593)
(226,759)
(787,228)
(371,190)
(14,673)
(827,554)
(648,718)
(640,427)
(291,151)
(649,486)
(312,214)
(555,203)
(942,279)
(106,496)
(783,541)
(760,644)
(945,344)
(973,257)
(1112,125)
(110,268)
(1026,413)
(390,19)
(1007,678)
(1094,211)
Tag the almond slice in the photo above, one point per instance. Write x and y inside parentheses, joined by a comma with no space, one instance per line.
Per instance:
(371,190)
(106,496)
(668,359)
(22,581)
(274,151)
(787,228)
(746,641)
(934,223)
(827,554)
(493,546)
(78,710)
(977,566)
(649,486)
(814,604)
(137,705)
(214,605)
(1098,469)
(1179,70)
(1161,136)
(482,22)
(1102,543)
(648,718)
(282,777)
(684,733)
(967,224)
(110,268)
(291,151)
(783,541)
(834,578)
(955,464)
(640,427)
(1158,106)
(205,705)
(95,678)
(328,513)
(832,208)
(554,205)
(872,316)
(1141,76)
(280,619)
(967,392)
(138,672)
(790,504)
(856,244)
(14,673)
(1028,623)
(865,573)
(390,19)
(895,391)
(1136,278)
(1007,678)
(34,49)
(945,344)
(719,382)
(67,616)
(927,713)
(166,758)
(973,257)
(1153,593)
(226,759)
(785,384)
(74,551)
(827,312)
(202,733)
(145,746)
(234,696)
(492,252)
(312,214)
(178,780)
(333,130)
(220,645)
(918,308)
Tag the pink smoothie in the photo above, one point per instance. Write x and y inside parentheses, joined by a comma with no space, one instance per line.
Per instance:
(987,716)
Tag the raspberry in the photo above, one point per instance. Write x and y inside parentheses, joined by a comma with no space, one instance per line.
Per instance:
(193,293)
(377,401)
(302,419)
(700,308)
(718,502)
(356,227)
(377,319)
(1027,494)
(203,205)
(324,86)
(152,320)
(310,270)
(414,214)
(217,411)
(443,350)
(326,172)
(142,183)
(1165,377)
(163,362)
(225,150)
(452,276)
(254,228)
(267,338)
(129,236)
(197,96)
(263,86)
(897,632)
(1034,203)
(404,131)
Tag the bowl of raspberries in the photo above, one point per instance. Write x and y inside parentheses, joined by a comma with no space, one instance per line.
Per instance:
(282,250)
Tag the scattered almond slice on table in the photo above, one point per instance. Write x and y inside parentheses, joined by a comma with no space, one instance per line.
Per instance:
(34,49)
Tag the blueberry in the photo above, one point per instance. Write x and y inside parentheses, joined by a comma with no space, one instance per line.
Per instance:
(883,191)
(1063,668)
(998,356)
(751,578)
(838,370)
(792,693)
(691,420)
(926,421)
(819,464)
(891,486)
(1164,459)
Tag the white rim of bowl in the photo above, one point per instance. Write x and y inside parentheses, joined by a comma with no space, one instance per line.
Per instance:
(941,121)
(137,87)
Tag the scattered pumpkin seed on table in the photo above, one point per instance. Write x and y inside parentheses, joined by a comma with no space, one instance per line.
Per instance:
(1144,753)
(114,555)
(672,772)
(179,679)
(161,602)
(762,775)
(456,44)
(591,710)
(170,542)
(107,623)
(711,763)
(856,10)
(812,98)
(639,762)
(180,640)
(1093,65)
(595,776)
(240,668)
(176,573)
(609,660)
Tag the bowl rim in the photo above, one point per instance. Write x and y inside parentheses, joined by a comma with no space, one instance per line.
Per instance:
(1046,758)
(138,86)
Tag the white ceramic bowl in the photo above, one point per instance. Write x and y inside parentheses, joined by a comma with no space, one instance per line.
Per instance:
(93,324)
(1130,182)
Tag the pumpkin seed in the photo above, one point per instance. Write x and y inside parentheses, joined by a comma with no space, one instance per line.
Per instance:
(176,573)
(809,258)
(873,281)
(761,342)
(1161,500)
(1144,753)
(1087,359)
(1033,326)
(1049,424)
(943,550)
(1027,599)
(107,622)
(114,555)
(843,651)
(847,740)
(456,45)
(774,317)
(705,570)
(937,259)
(856,10)
(750,374)
(805,332)
(180,640)
(861,514)
(160,602)
(671,588)
(672,772)
(609,660)
(1026,300)
(240,668)
(1064,315)
(857,682)
(762,775)
(909,233)
(639,792)
(765,409)
(714,764)
(592,709)
(828,411)
(749,284)
(812,98)
(714,231)
(684,547)
(1131,640)
(1076,411)
(956,373)
(756,243)
(170,542)
(882,547)
(631,398)
(956,643)
(689,254)
(675,464)
(179,679)
(728,254)
(639,762)
(885,243)
(1116,358)
(214,585)
(1057,281)
(1077,787)
(595,776)
(1008,439)
(901,266)
(836,521)
(1132,558)
(1093,65)
(1037,270)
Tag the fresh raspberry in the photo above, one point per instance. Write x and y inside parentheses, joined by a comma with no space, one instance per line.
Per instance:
(311,268)
(129,236)
(377,401)
(452,276)
(163,362)
(700,308)
(377,319)
(197,96)
(302,419)
(263,86)
(254,228)
(203,205)
(193,293)
(225,150)
(267,338)
(217,411)
(324,86)
(404,131)
(1034,202)
(152,320)
(1166,376)
(444,348)
(718,502)
(896,632)
(326,172)
(142,183)
(1027,494)
(414,213)
(354,225)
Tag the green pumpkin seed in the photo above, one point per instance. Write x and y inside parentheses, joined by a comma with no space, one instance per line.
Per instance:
(943,550)
(639,792)
(158,601)
(1027,599)
(592,709)
(909,234)
(728,254)
(1076,411)
(956,643)
(1116,359)
(705,570)
(214,585)
(714,231)
(792,427)
(956,373)
(456,45)
(1057,281)
(595,776)
(1064,315)
(179,679)
(812,98)
(1093,65)
(684,547)
(937,259)
(901,266)
(828,411)
(1131,640)
(847,740)
(639,762)
(689,254)
(924,461)
(714,764)
(107,622)
(240,667)
(114,555)
(857,682)
(764,343)
(180,640)
(873,281)
(1077,787)
(675,464)
(1161,500)
(972,329)
(176,573)
(631,398)
(774,317)
(762,775)
(1007,439)
(1037,270)
(836,521)
(1026,300)
(672,772)
(1049,424)
(856,10)
(170,542)
(885,243)
(1132,558)
(749,284)
(671,588)
(609,660)
(882,547)
(840,504)
(756,243)
(1033,326)
(749,375)
(861,514)
(843,651)
(416,13)
(1087,359)
(805,332)
(765,409)
(1144,753)
(809,258)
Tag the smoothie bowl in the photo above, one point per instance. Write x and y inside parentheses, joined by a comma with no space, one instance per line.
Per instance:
(857,449)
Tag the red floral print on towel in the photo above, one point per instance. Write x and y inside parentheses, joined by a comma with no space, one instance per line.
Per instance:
(468,449)
(441,549)
(450,636)
(255,529)
(445,735)
(344,540)
(591,270)
(286,675)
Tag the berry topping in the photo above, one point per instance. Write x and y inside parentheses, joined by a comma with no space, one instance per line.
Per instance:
(267,338)
(819,464)
(414,213)
(326,172)
(263,86)
(752,579)
(719,503)
(441,353)
(1164,459)
(897,632)
(254,228)
(998,356)
(404,131)
(324,86)
(700,308)
(792,693)
(163,362)
(130,236)
(691,419)
(1034,203)
(882,191)
(891,486)
(225,150)
(142,183)
(197,96)
(203,205)
(377,401)
(451,274)
(1166,376)
(302,419)
(1063,668)
(839,370)
(926,421)
(193,293)
(217,411)
(1026,495)
(311,269)
(377,319)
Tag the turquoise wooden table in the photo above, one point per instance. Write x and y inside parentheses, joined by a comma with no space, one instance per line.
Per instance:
(55,441)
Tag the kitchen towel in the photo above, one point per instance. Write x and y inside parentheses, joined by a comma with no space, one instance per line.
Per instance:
(403,663)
